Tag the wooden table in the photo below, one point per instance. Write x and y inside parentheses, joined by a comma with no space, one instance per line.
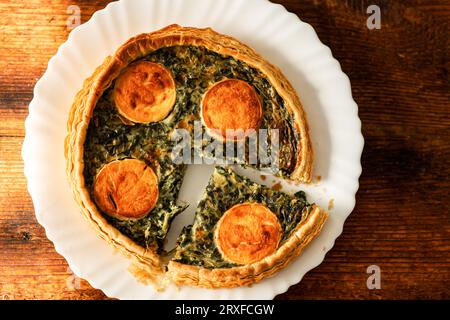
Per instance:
(400,81)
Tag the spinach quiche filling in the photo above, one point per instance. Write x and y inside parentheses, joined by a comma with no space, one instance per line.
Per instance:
(111,136)
(196,244)
(195,69)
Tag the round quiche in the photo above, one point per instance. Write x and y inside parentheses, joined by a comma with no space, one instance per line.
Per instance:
(120,158)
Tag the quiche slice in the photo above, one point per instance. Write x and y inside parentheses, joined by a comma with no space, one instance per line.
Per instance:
(242,233)
(119,146)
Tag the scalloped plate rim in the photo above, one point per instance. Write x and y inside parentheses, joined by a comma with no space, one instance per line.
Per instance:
(33,112)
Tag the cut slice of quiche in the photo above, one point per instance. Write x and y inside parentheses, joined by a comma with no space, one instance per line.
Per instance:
(242,233)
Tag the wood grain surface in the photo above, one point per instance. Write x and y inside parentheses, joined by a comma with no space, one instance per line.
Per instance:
(399,78)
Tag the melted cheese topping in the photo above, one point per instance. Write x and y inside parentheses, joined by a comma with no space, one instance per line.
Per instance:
(231,104)
(145,92)
(126,189)
(247,233)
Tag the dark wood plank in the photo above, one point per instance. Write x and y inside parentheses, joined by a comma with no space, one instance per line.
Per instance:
(400,81)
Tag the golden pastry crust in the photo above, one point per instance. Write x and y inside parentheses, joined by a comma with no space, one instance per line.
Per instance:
(247,232)
(145,259)
(126,189)
(191,275)
(231,104)
(145,92)
(93,87)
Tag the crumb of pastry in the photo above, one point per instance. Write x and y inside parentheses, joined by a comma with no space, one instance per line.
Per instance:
(331,204)
(277,186)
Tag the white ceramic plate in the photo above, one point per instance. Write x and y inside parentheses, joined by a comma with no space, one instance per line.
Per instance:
(276,34)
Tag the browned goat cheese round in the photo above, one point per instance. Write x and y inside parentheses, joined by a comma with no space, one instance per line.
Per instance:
(247,233)
(145,92)
(126,189)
